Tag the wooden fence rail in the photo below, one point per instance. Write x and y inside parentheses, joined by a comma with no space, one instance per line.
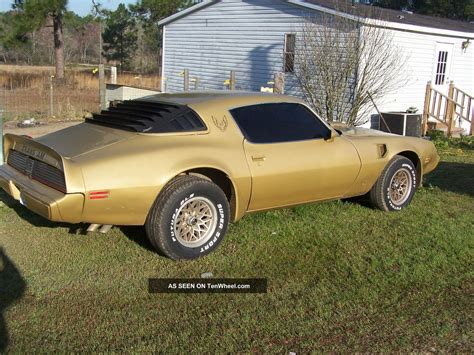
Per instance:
(447,109)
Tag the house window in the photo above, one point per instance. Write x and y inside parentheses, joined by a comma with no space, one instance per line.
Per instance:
(289,54)
(441,67)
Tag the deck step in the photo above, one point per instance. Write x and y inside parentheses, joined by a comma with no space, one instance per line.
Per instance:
(455,132)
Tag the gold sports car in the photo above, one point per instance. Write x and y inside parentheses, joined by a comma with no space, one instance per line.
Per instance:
(185,165)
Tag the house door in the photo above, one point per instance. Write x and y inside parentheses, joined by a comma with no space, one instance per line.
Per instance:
(442,67)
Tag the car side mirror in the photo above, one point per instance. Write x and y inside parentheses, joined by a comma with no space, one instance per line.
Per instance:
(330,136)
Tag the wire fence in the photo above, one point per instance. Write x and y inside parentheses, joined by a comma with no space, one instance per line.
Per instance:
(35,93)
(60,103)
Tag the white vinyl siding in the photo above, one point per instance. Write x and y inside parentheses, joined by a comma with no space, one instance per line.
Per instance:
(245,36)
(248,36)
(421,66)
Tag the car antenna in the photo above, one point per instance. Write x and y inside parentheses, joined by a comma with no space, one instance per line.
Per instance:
(380,113)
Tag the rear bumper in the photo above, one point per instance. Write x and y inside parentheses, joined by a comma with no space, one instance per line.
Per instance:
(40,199)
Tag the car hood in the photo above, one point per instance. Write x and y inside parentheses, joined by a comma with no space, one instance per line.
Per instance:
(360,131)
(82,138)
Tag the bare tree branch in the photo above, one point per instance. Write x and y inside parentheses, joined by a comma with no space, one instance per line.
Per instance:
(342,61)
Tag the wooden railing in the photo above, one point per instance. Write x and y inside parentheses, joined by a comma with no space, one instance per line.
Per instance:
(464,111)
(446,109)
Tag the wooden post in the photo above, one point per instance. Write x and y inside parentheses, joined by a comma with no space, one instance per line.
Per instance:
(1,133)
(113,75)
(470,114)
(279,83)
(186,79)
(450,110)
(102,87)
(51,97)
(100,38)
(426,109)
(232,80)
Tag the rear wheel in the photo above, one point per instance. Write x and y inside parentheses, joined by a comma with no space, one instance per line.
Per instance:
(189,218)
(396,185)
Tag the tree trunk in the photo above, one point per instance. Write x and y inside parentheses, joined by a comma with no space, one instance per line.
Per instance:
(58,45)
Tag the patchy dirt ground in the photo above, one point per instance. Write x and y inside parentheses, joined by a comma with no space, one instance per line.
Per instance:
(40,130)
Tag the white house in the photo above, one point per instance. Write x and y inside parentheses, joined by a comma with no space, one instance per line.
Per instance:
(251,36)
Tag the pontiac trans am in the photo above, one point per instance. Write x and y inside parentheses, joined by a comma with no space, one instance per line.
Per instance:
(185,165)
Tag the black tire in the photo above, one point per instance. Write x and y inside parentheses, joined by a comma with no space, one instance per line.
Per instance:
(185,205)
(396,186)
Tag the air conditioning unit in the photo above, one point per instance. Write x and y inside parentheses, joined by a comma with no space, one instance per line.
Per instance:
(402,123)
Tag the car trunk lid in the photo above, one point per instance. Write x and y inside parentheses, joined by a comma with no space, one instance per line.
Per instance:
(82,138)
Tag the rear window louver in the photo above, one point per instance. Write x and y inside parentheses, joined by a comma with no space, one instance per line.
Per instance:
(149,117)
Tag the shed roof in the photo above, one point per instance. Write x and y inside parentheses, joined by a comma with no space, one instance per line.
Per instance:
(395,16)
(392,18)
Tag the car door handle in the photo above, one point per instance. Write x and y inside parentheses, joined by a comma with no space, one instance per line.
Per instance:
(258,157)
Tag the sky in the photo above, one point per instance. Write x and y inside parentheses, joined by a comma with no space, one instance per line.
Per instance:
(80,7)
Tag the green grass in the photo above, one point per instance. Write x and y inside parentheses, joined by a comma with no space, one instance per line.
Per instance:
(342,277)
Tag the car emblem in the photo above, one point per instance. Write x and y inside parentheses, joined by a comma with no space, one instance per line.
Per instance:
(29,166)
(31,151)
(220,123)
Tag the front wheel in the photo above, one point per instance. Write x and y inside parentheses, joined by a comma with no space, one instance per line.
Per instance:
(396,185)
(189,218)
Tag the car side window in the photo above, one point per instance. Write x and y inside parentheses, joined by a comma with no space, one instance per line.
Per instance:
(278,122)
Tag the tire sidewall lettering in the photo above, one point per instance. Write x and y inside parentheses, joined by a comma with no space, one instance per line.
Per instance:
(219,230)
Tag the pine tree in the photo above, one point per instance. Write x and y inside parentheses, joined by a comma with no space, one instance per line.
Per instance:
(156,10)
(393,4)
(455,9)
(34,14)
(148,13)
(119,36)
